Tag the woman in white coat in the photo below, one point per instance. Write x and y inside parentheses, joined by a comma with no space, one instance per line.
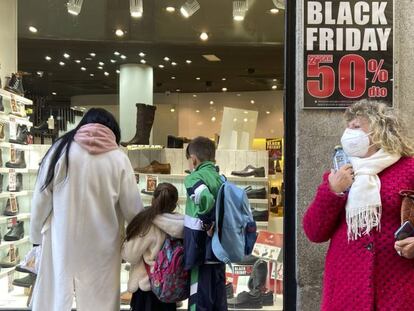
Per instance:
(85,190)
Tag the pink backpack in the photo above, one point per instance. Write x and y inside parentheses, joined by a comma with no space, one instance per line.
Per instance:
(169,281)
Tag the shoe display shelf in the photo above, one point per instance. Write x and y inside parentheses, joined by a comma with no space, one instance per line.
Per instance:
(8,96)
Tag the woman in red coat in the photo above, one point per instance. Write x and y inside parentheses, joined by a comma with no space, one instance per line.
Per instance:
(357,208)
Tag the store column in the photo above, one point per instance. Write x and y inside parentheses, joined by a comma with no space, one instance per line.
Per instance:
(8,35)
(135,86)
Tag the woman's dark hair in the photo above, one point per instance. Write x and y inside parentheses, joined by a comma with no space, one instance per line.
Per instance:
(164,201)
(63,143)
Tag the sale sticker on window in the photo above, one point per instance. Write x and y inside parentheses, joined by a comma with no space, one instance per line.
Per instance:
(348,52)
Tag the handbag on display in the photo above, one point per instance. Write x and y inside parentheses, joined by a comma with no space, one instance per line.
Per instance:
(407,206)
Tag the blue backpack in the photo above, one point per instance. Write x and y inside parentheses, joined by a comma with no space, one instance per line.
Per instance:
(235,232)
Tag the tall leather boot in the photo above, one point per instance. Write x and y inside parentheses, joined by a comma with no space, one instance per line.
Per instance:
(145,120)
(15,84)
(1,183)
(1,130)
(1,104)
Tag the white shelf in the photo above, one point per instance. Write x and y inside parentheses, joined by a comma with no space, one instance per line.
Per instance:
(261,225)
(21,216)
(21,99)
(230,178)
(6,170)
(16,146)
(259,201)
(5,244)
(5,118)
(6,194)
(5,271)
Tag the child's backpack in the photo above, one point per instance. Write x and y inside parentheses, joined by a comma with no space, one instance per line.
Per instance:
(235,232)
(169,281)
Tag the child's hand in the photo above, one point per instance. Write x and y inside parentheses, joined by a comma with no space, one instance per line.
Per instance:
(210,232)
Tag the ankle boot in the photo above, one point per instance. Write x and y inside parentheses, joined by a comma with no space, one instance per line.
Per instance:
(5,262)
(145,119)
(19,183)
(21,135)
(257,280)
(1,131)
(20,160)
(8,211)
(16,232)
(1,159)
(15,84)
(1,183)
(1,104)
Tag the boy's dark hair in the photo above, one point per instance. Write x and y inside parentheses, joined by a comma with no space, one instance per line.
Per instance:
(203,148)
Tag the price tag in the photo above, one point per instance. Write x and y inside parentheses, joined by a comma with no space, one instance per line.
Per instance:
(152,182)
(12,154)
(12,253)
(11,222)
(13,128)
(10,279)
(12,180)
(13,204)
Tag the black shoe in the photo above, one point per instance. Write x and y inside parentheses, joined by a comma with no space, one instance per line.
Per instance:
(229,290)
(250,171)
(257,280)
(267,298)
(19,183)
(260,215)
(8,211)
(1,181)
(260,193)
(42,128)
(246,300)
(21,135)
(20,160)
(16,232)
(1,104)
(15,84)
(26,282)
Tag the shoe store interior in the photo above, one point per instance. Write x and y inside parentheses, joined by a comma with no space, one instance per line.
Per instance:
(169,71)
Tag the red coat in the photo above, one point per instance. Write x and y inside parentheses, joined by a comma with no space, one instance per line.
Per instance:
(366,274)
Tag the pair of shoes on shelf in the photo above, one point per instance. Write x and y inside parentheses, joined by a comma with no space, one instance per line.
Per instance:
(250,170)
(155,167)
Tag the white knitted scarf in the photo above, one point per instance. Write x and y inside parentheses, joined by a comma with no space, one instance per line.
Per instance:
(363,207)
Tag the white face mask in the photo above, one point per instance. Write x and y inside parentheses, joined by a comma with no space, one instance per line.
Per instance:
(355,142)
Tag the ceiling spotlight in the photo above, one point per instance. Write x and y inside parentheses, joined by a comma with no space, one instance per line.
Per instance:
(161,66)
(143,61)
(62,63)
(117,53)
(197,111)
(119,33)
(54,93)
(204,36)
(198,78)
(48,58)
(279,4)
(172,78)
(211,102)
(188,61)
(74,7)
(66,55)
(267,112)
(274,11)
(136,8)
(194,95)
(92,54)
(252,102)
(178,90)
(274,87)
(224,89)
(100,67)
(106,73)
(239,10)
(274,80)
(113,61)
(39,73)
(172,109)
(33,29)
(101,63)
(189,8)
(213,119)
(83,68)
(223,79)
(174,63)
(92,75)
(142,54)
(123,57)
(118,72)
(78,61)
(167,59)
(170,9)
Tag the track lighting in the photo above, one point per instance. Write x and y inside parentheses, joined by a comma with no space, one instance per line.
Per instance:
(189,8)
(74,7)
(239,9)
(136,8)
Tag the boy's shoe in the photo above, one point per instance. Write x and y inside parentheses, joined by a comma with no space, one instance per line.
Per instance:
(126,298)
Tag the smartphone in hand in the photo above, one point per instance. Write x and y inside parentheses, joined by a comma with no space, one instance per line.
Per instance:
(405,231)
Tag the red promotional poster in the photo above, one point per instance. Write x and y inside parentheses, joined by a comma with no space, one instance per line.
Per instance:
(268,245)
(348,52)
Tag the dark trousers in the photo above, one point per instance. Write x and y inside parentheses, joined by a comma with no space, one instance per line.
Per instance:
(209,291)
(147,301)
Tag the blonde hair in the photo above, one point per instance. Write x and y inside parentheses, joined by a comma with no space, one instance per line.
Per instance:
(387,129)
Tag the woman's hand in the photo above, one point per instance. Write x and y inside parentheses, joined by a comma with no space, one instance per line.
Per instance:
(341,180)
(405,248)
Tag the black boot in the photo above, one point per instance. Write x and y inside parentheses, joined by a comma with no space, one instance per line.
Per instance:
(1,104)
(145,119)
(20,160)
(1,182)
(15,84)
(21,135)
(16,232)
(257,280)
(1,131)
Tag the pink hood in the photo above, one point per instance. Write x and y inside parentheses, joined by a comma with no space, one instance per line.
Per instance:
(96,138)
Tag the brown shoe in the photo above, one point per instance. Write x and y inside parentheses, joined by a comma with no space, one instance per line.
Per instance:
(126,298)
(155,168)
